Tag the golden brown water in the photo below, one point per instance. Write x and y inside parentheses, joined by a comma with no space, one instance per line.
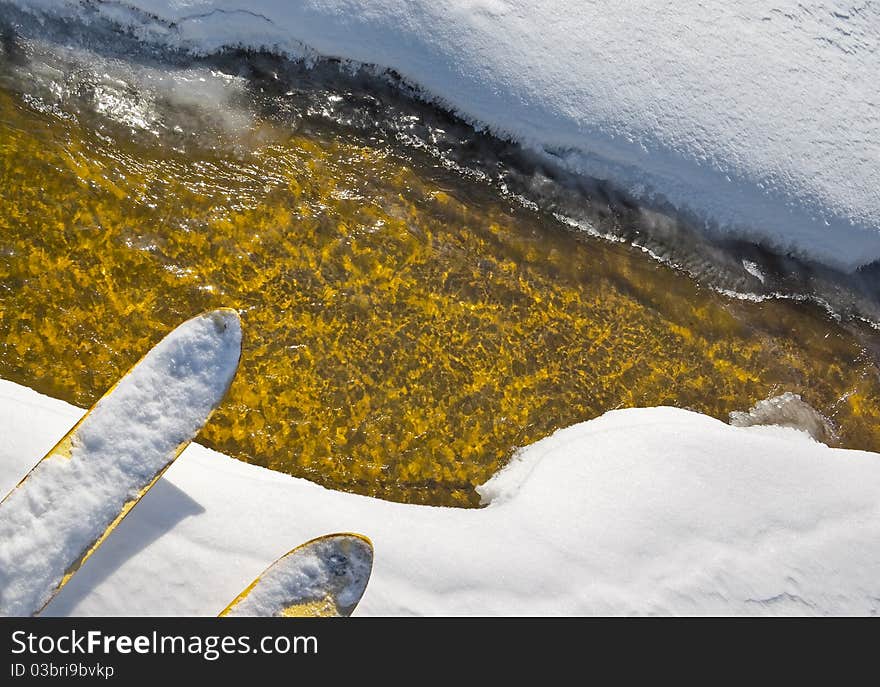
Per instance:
(405,329)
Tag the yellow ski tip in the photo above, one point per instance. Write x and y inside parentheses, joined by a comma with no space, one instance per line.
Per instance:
(133,433)
(325,577)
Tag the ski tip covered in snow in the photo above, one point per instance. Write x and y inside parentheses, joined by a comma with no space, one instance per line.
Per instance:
(67,505)
(326,576)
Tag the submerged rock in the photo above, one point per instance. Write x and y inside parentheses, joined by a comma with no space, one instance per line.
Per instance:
(787,410)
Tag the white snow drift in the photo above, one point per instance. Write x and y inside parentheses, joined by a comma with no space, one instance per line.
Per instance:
(759,118)
(69,499)
(639,511)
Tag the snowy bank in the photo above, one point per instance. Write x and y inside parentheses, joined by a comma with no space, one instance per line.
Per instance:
(639,511)
(758,119)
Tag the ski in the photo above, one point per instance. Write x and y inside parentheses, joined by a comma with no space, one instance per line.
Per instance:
(80,491)
(325,577)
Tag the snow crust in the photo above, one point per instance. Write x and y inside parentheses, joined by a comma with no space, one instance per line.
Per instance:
(131,434)
(335,568)
(758,119)
(646,511)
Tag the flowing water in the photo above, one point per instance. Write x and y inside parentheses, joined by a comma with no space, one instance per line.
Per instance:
(407,324)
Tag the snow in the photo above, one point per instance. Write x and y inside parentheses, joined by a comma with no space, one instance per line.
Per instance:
(330,573)
(759,119)
(69,499)
(638,511)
